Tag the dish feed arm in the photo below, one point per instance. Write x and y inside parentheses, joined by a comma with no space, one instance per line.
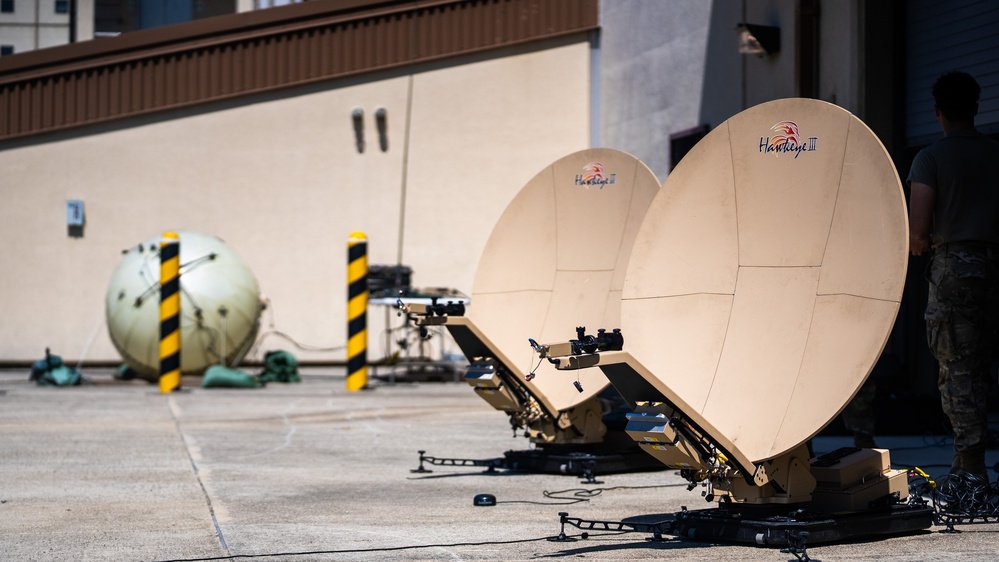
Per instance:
(687,431)
(490,372)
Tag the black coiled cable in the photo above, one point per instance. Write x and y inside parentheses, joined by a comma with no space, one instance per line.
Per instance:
(964,497)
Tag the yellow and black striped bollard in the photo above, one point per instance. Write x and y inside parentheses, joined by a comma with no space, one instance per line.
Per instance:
(169,312)
(357,307)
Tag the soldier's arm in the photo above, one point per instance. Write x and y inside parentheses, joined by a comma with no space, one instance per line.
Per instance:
(921,203)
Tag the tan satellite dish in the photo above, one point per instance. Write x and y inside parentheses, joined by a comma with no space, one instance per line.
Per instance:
(762,287)
(554,261)
(768,272)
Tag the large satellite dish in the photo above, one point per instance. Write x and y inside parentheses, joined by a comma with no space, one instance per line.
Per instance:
(767,274)
(556,259)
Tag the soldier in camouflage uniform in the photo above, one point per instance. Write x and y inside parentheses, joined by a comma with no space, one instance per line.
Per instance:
(955,196)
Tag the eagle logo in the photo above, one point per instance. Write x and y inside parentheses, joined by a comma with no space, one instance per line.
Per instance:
(593,173)
(784,132)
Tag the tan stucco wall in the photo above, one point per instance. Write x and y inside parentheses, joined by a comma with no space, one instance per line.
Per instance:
(281,181)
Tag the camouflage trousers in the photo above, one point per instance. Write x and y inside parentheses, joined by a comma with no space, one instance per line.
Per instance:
(962,329)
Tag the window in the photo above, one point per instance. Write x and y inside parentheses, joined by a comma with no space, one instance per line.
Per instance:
(681,142)
(62,6)
(7,6)
(6,50)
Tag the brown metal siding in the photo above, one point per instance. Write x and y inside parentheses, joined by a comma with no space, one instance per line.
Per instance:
(194,63)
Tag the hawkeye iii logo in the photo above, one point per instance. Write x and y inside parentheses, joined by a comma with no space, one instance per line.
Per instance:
(593,174)
(786,138)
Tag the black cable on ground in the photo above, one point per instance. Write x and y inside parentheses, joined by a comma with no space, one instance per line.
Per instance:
(354,550)
(578,495)
(966,496)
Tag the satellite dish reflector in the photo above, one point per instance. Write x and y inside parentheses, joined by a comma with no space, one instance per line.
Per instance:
(766,277)
(220,305)
(556,259)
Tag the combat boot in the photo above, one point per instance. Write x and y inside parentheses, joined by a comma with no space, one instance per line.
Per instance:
(972,461)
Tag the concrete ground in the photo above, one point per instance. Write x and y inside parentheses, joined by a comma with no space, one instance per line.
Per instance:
(117,471)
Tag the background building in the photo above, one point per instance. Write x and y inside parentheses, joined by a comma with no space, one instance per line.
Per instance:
(26,25)
(241,125)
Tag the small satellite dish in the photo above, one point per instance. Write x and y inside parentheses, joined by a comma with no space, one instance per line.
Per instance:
(767,274)
(556,259)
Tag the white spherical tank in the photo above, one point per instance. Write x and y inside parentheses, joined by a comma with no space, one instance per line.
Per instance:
(220,305)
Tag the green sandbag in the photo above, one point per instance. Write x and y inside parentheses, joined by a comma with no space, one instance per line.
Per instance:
(280,366)
(60,376)
(51,372)
(218,376)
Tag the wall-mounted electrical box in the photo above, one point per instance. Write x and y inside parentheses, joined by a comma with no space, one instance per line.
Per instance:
(75,218)
(74,212)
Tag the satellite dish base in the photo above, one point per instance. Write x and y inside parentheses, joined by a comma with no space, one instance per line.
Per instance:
(555,460)
(791,532)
